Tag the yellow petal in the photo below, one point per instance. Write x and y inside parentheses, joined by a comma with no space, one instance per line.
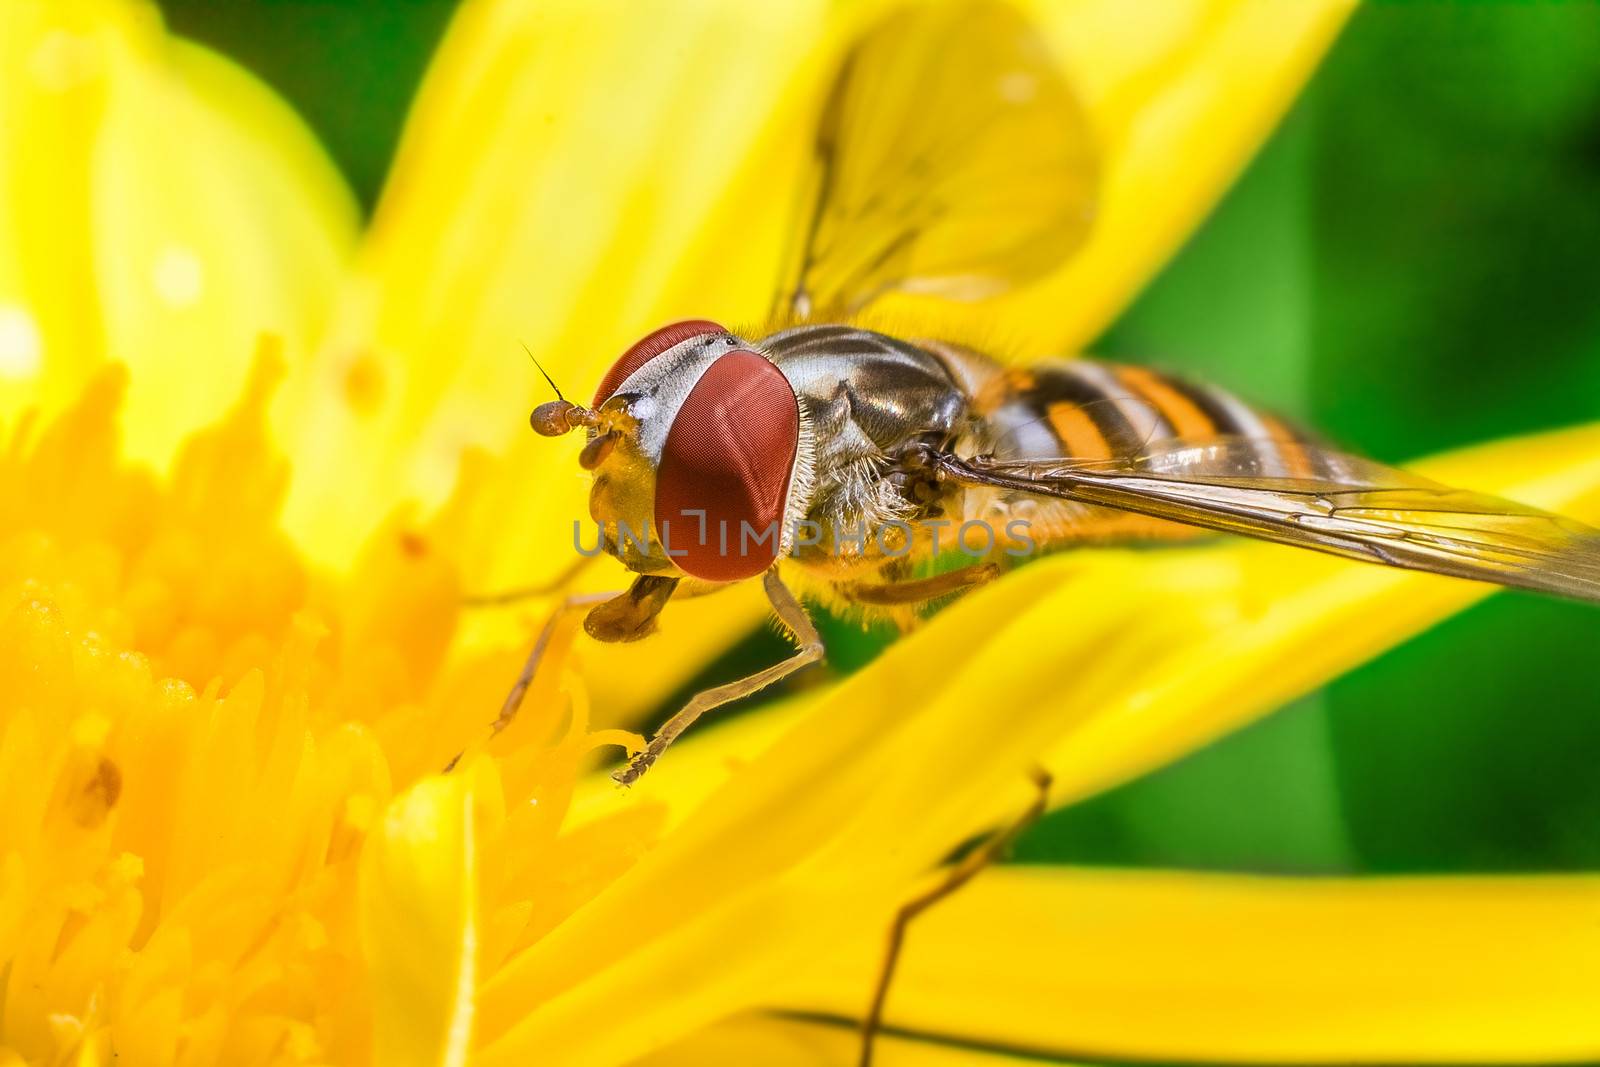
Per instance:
(1297,619)
(1164,965)
(1181,95)
(1107,663)
(162,208)
(570,177)
(419,923)
(778,1042)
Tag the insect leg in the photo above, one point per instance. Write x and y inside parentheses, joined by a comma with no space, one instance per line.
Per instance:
(625,616)
(957,876)
(519,689)
(527,592)
(920,589)
(632,615)
(793,616)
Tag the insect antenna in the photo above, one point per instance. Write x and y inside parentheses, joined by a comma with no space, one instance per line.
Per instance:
(556,417)
(542,371)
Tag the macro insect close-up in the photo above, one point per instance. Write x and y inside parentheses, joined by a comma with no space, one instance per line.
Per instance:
(808,441)
(1053,531)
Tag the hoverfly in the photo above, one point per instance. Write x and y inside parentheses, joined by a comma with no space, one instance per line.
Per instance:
(951,158)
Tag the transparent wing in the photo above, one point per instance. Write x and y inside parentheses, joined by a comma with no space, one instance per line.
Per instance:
(1329,501)
(952,158)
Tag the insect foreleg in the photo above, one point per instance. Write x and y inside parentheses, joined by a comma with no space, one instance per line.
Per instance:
(519,689)
(956,877)
(561,580)
(793,616)
(632,615)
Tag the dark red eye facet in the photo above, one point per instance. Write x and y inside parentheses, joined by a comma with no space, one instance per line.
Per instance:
(647,348)
(729,454)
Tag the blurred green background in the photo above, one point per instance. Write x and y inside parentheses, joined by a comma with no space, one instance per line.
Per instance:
(1412,263)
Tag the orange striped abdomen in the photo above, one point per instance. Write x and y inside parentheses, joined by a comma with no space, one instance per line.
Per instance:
(1088,410)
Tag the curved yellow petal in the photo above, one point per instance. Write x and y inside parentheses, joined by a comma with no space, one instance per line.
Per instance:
(1238,968)
(162,208)
(1106,664)
(1297,619)
(572,174)
(420,923)
(1181,95)
(699,766)
(778,1042)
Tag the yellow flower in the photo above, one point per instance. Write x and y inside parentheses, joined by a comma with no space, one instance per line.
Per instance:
(184,823)
(226,692)
(161,208)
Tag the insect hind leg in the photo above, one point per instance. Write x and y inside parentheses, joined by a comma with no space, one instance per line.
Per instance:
(920,590)
(957,876)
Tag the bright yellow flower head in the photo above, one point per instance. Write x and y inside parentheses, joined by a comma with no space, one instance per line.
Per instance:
(227,692)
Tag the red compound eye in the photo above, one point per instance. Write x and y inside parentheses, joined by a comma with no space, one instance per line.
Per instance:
(647,348)
(729,454)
